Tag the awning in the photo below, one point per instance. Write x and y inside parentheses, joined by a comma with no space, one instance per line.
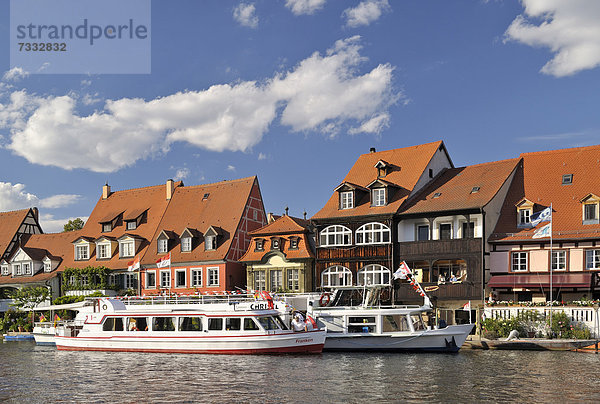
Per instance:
(574,280)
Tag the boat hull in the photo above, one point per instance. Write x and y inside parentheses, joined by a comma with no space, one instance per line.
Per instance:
(44,335)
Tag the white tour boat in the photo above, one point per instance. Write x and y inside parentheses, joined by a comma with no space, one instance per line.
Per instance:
(44,331)
(215,325)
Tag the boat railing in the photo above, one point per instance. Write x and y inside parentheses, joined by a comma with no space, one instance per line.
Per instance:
(193,299)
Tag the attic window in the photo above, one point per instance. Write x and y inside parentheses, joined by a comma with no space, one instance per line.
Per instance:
(131,225)
(567,179)
(346,200)
(294,243)
(205,197)
(475,190)
(436,195)
(106,227)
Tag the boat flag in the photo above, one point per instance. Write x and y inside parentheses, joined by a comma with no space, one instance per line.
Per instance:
(56,318)
(467,306)
(133,265)
(543,231)
(541,216)
(42,318)
(402,272)
(164,261)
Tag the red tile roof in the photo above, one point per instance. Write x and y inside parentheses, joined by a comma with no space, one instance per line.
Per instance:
(406,166)
(283,225)
(540,181)
(9,226)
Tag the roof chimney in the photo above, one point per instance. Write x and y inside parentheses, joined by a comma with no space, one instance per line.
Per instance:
(305,215)
(286,211)
(106,191)
(170,189)
(372,150)
(36,213)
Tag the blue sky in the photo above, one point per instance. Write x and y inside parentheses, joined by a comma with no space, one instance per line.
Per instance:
(294,90)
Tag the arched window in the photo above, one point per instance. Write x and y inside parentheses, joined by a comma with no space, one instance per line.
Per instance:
(336,276)
(374,274)
(335,236)
(373,233)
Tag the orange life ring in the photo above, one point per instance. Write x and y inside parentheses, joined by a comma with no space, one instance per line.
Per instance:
(324,299)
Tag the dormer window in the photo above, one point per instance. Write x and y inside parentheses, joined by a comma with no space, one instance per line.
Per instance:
(591,208)
(163,245)
(275,243)
(524,212)
(47,266)
(103,251)
(17,269)
(82,252)
(567,179)
(347,200)
(378,197)
(294,243)
(524,216)
(5,270)
(210,243)
(382,168)
(126,248)
(131,225)
(186,244)
(27,269)
(260,244)
(106,227)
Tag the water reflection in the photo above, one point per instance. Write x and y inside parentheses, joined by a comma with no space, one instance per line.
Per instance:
(42,374)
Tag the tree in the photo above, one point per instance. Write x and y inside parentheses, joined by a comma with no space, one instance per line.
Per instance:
(29,297)
(75,224)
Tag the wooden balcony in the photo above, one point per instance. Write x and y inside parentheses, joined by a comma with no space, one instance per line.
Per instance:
(355,253)
(447,249)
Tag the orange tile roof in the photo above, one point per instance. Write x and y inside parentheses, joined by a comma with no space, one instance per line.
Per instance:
(9,226)
(540,181)
(223,209)
(455,187)
(283,225)
(407,166)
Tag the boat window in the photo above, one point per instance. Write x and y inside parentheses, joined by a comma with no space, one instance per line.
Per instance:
(113,324)
(215,324)
(190,323)
(361,324)
(417,322)
(395,323)
(163,324)
(333,324)
(233,324)
(137,324)
(280,323)
(250,324)
(268,323)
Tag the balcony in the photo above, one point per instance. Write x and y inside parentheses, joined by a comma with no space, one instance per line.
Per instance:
(355,252)
(448,249)
(470,290)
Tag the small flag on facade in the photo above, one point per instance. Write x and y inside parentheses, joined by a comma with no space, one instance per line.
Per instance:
(541,216)
(164,261)
(133,265)
(467,306)
(543,231)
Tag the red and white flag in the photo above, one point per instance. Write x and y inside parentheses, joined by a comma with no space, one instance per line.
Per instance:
(164,261)
(402,272)
(467,306)
(133,265)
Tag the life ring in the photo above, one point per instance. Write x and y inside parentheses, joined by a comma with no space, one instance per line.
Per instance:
(324,299)
(104,307)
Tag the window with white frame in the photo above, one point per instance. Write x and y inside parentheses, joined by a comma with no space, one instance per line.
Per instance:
(374,274)
(131,225)
(17,269)
(127,248)
(48,266)
(210,242)
(5,270)
(103,251)
(180,281)
(592,259)
(196,277)
(422,232)
(335,236)
(559,260)
(150,279)
(260,280)
(293,243)
(590,213)
(213,276)
(276,280)
(186,244)
(72,280)
(130,281)
(106,227)
(82,252)
(378,197)
(84,280)
(112,279)
(519,261)
(165,279)
(163,245)
(524,217)
(336,276)
(26,269)
(275,242)
(293,279)
(373,233)
(346,200)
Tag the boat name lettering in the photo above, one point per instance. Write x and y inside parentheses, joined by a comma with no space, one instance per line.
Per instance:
(300,341)
(259,306)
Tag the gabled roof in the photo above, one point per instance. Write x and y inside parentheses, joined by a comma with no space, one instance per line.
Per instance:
(455,187)
(283,225)
(168,234)
(540,181)
(349,185)
(132,214)
(9,226)
(407,165)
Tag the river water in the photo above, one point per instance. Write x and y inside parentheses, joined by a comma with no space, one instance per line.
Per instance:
(30,373)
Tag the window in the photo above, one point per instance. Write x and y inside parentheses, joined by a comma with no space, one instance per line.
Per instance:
(335,236)
(215,324)
(196,277)
(260,244)
(26,269)
(4,269)
(103,251)
(131,225)
(130,282)
(186,244)
(567,179)
(422,232)
(163,324)
(445,231)
(590,213)
(559,260)
(112,279)
(275,243)
(436,195)
(106,227)
(294,243)
(346,200)
(150,279)
(378,197)
(250,324)
(137,324)
(72,280)
(233,323)
(84,281)
(468,230)
(293,280)
(524,216)
(259,280)
(82,252)
(48,266)
(165,279)
(126,248)
(113,324)
(519,261)
(180,281)
(163,245)
(276,280)
(190,323)
(17,269)
(374,275)
(213,276)
(336,276)
(268,323)
(592,259)
(210,242)
(373,233)
(474,190)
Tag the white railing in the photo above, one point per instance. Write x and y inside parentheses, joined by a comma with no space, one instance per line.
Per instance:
(200,299)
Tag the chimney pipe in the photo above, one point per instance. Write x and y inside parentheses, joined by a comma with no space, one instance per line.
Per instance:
(372,150)
(106,191)
(286,211)
(170,189)
(36,213)
(305,215)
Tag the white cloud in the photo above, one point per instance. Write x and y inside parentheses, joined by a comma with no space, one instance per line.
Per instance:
(89,99)
(181,174)
(245,14)
(50,224)
(374,125)
(14,197)
(325,93)
(300,7)
(86,83)
(15,74)
(569,28)
(59,201)
(262,156)
(366,12)
(230,168)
